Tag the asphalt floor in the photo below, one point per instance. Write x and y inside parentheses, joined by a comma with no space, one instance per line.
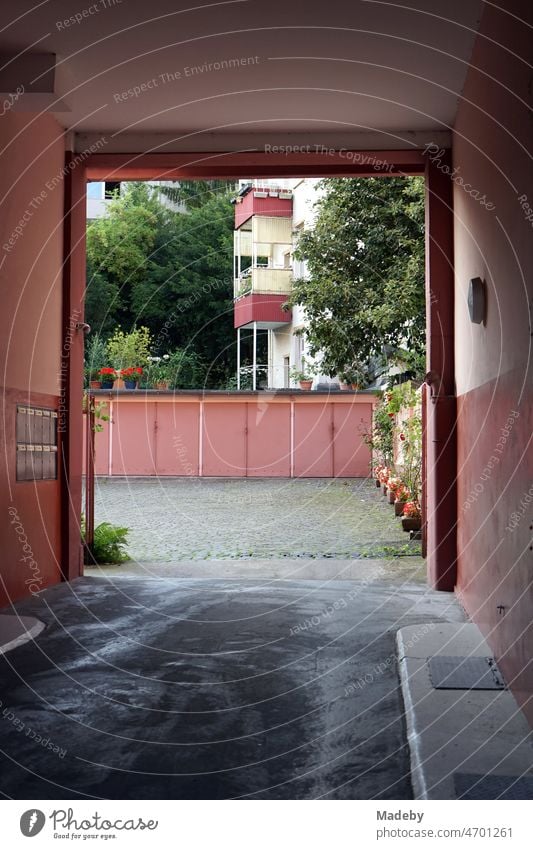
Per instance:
(276,683)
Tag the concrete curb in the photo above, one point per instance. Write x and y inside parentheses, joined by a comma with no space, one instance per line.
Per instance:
(479,732)
(17,630)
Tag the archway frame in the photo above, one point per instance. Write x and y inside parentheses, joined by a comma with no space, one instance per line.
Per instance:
(439,409)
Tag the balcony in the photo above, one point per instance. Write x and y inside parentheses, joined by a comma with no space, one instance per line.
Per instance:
(263,280)
(262,201)
(265,311)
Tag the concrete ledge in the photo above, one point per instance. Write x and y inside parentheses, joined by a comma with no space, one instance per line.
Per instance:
(17,630)
(479,732)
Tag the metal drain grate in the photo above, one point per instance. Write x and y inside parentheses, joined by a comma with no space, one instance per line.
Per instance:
(464,673)
(492,786)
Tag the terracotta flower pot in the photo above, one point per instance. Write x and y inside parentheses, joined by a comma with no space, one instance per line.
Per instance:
(118,383)
(398,508)
(306,385)
(384,488)
(95,384)
(378,483)
(391,496)
(162,384)
(411,523)
(354,386)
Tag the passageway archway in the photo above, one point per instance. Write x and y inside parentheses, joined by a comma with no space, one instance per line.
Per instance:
(439,493)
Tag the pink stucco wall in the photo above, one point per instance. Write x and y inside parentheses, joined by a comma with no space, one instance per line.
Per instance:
(235,434)
(494,377)
(31,255)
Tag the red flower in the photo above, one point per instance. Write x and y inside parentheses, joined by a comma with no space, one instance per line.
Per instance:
(107,371)
(411,510)
(402,437)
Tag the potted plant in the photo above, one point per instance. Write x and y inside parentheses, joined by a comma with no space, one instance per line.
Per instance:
(304,375)
(107,376)
(94,380)
(402,496)
(95,359)
(131,376)
(412,516)
(384,477)
(393,485)
(352,376)
(129,352)
(377,471)
(159,372)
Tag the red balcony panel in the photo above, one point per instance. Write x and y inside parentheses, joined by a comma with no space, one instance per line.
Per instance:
(261,308)
(250,205)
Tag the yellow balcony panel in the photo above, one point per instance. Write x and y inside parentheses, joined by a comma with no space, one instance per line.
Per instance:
(271,281)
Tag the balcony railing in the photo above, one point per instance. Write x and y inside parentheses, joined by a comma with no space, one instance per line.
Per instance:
(263,281)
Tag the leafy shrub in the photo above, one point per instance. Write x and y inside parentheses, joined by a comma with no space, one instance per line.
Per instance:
(129,349)
(110,542)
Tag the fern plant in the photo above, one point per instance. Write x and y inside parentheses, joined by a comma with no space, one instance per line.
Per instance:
(110,542)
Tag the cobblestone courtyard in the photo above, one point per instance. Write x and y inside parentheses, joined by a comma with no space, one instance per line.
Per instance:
(206,518)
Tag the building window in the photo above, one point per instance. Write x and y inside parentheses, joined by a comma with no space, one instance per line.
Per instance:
(298,351)
(111,189)
(95,191)
(286,372)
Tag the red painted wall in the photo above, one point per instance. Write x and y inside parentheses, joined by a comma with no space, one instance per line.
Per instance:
(31,254)
(494,377)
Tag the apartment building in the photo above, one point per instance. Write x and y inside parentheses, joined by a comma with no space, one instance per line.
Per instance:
(270,214)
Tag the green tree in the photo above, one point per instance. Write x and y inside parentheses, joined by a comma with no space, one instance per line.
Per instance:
(119,246)
(365,259)
(194,193)
(186,295)
(169,271)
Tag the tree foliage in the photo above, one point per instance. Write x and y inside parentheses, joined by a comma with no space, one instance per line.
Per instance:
(194,193)
(119,247)
(365,260)
(169,271)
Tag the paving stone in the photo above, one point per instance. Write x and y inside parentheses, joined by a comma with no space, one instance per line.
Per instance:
(174,519)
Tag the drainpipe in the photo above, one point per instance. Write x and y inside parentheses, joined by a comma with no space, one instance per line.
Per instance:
(440,496)
(254,361)
(71,421)
(238,358)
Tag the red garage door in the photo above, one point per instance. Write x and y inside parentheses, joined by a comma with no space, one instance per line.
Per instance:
(132,439)
(312,440)
(177,429)
(224,440)
(350,454)
(269,439)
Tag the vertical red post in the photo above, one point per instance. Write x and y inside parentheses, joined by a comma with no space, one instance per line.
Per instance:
(440,449)
(72,368)
(89,477)
(424,400)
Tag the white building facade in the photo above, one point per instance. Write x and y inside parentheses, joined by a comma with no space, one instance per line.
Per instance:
(269,218)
